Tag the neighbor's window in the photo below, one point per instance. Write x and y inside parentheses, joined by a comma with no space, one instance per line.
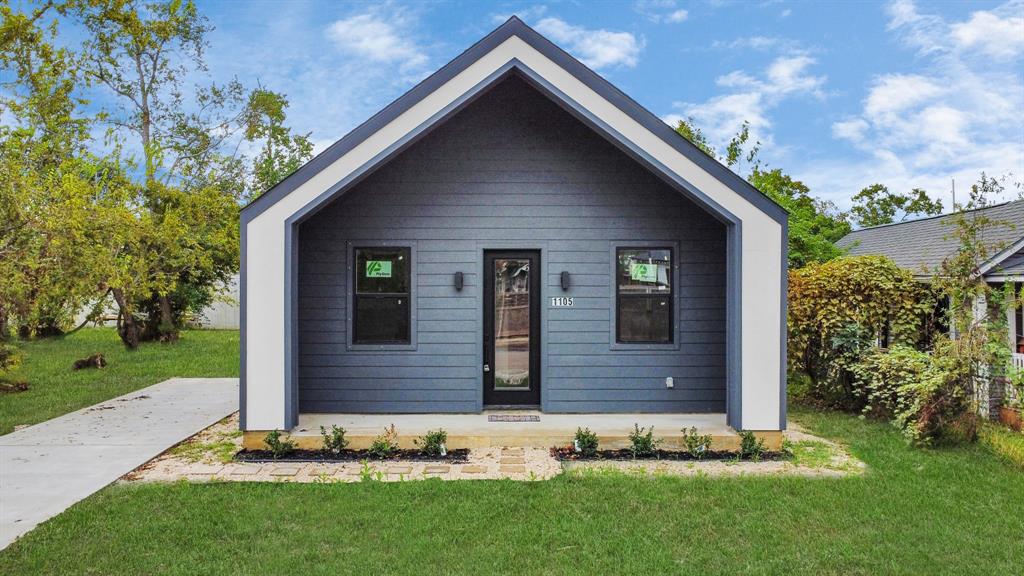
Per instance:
(381,296)
(644,295)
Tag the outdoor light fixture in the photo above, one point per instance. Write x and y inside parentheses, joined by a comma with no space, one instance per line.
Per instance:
(459,281)
(565,280)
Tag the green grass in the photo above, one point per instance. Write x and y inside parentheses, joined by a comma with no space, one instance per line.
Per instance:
(57,389)
(938,511)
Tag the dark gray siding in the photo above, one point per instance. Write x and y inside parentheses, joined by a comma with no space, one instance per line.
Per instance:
(511,170)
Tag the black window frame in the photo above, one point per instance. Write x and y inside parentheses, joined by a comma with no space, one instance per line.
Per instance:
(670,295)
(356,296)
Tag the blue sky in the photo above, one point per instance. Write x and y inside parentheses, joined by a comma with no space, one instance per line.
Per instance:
(841,94)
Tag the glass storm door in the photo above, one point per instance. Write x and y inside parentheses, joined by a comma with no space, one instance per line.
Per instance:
(511,328)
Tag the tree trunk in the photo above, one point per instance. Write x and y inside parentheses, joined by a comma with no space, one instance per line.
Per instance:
(168,331)
(127,328)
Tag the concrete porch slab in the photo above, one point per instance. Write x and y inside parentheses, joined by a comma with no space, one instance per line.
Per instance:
(476,431)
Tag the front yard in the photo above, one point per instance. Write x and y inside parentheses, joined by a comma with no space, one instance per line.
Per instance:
(914,511)
(55,389)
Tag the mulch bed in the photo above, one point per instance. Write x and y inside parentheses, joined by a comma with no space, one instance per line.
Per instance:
(567,453)
(260,456)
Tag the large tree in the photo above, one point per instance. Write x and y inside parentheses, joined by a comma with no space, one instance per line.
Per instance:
(876,205)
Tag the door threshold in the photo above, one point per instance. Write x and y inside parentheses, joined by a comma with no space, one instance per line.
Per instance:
(507,407)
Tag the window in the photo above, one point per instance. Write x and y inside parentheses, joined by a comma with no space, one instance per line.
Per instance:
(643,295)
(380,301)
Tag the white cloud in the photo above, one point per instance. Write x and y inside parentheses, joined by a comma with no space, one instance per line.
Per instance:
(998,37)
(957,116)
(595,48)
(751,98)
(662,11)
(377,38)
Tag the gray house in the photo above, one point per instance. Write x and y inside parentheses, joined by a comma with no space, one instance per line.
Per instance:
(514,232)
(920,246)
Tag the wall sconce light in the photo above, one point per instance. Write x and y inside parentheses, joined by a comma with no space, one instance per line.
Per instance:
(459,281)
(565,280)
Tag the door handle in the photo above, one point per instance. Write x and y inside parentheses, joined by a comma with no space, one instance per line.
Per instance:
(487,367)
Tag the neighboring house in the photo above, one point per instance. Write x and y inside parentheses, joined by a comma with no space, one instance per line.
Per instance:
(513,232)
(920,246)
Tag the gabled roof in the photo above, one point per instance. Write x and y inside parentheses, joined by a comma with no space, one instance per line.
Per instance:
(921,245)
(516,27)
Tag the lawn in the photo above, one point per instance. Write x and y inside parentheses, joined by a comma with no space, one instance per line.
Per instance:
(943,511)
(57,389)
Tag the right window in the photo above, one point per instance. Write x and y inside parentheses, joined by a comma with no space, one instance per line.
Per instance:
(643,295)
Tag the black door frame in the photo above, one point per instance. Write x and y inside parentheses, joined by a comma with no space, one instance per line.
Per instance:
(498,398)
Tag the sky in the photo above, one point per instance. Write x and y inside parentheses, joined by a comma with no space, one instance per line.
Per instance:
(840,94)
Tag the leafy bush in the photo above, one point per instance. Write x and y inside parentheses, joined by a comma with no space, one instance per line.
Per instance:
(585,442)
(10,357)
(751,447)
(643,443)
(385,445)
(839,309)
(697,445)
(334,441)
(433,443)
(278,447)
(923,394)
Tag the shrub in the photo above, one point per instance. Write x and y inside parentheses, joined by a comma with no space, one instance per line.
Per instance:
(585,442)
(840,308)
(643,443)
(10,356)
(923,394)
(278,447)
(433,443)
(334,441)
(385,445)
(697,445)
(751,447)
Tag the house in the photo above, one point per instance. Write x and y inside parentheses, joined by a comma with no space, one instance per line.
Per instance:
(514,232)
(920,246)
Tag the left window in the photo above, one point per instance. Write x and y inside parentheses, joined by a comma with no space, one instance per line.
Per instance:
(380,300)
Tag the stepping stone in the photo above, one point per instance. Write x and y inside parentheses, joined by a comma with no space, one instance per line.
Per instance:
(399,470)
(474,469)
(511,461)
(201,468)
(512,451)
(354,471)
(512,469)
(436,469)
(242,470)
(286,471)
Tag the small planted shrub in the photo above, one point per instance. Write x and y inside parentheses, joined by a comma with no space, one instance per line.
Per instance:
(96,360)
(433,443)
(278,447)
(585,442)
(385,445)
(334,441)
(696,444)
(751,447)
(642,441)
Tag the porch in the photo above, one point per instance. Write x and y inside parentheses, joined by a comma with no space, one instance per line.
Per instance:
(515,428)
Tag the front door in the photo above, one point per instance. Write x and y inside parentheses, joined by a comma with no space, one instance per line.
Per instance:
(511,328)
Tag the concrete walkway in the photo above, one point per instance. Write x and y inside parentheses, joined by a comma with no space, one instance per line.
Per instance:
(46,468)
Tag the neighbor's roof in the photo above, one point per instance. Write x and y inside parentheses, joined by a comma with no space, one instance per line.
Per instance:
(921,245)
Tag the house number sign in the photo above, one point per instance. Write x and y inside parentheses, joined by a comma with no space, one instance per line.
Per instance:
(561,302)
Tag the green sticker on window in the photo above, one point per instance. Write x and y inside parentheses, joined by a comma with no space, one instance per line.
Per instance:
(378,269)
(643,272)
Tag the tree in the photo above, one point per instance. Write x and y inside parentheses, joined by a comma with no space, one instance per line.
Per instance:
(53,189)
(876,205)
(282,152)
(814,225)
(188,226)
